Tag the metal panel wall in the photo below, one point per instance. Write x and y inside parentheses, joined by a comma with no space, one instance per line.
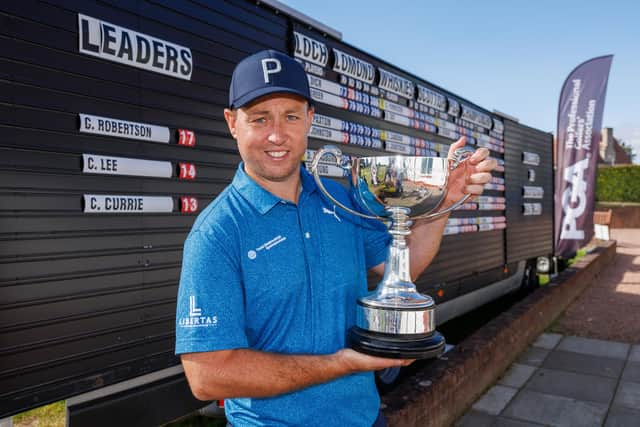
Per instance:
(531,235)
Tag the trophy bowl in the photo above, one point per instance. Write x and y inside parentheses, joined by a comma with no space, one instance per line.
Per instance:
(395,320)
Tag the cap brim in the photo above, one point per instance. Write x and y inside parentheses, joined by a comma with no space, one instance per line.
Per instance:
(264,91)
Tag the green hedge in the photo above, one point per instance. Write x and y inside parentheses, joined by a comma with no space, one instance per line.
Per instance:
(618,183)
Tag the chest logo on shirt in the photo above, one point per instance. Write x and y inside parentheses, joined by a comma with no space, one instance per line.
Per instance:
(331,212)
(252,254)
(196,319)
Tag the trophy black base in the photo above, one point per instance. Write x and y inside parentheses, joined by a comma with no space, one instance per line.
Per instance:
(396,346)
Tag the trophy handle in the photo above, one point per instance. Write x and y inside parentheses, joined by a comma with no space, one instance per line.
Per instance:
(459,157)
(337,153)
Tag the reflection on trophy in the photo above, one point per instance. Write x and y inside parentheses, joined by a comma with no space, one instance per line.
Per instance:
(395,320)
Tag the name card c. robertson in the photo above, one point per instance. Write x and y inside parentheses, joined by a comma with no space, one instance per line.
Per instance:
(123,128)
(111,203)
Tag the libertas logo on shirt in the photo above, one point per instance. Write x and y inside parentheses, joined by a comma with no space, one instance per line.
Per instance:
(196,319)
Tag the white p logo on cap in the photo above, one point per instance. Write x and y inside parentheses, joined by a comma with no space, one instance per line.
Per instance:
(266,70)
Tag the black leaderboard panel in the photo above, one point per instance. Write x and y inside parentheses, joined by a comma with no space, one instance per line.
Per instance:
(112,139)
(529,189)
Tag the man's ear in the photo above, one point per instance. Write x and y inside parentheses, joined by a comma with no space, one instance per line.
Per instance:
(230,117)
(310,112)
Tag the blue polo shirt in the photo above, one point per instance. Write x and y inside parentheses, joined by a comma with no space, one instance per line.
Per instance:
(263,273)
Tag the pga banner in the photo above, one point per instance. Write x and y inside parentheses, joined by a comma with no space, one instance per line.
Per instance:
(579,123)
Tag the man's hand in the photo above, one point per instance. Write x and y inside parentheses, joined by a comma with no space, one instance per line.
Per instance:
(360,362)
(249,373)
(470,176)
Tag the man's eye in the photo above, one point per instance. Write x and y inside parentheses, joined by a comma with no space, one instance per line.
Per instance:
(292,117)
(259,120)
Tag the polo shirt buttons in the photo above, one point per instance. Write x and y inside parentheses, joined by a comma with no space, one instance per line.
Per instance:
(307,235)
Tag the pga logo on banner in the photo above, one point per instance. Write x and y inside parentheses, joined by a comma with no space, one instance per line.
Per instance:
(578,138)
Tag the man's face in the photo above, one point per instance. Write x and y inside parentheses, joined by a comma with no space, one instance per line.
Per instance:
(272,137)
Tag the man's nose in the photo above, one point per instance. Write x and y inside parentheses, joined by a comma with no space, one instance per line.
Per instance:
(277,133)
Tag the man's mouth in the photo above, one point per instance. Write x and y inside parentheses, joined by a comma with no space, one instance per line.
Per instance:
(276,154)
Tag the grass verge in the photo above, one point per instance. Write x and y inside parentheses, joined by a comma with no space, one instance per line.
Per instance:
(53,415)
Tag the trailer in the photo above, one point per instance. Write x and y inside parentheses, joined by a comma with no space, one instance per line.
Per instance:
(112,139)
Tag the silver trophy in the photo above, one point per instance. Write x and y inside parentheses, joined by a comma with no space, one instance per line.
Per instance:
(395,320)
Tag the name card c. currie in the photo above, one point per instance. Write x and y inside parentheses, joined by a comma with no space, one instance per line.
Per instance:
(112,203)
(108,165)
(123,128)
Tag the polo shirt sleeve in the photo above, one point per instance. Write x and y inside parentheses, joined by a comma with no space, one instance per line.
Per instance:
(210,311)
(376,242)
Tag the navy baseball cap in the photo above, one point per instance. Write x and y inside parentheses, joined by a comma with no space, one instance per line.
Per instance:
(266,72)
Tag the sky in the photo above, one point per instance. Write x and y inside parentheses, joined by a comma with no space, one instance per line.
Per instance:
(512,56)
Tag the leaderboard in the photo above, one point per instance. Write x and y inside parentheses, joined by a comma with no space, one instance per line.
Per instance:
(101,164)
(110,42)
(354,84)
(102,39)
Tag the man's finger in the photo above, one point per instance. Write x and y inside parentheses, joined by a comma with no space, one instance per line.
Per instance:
(474,189)
(479,155)
(458,144)
(487,165)
(479,178)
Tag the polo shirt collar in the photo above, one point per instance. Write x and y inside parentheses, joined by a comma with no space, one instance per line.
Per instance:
(308,183)
(262,200)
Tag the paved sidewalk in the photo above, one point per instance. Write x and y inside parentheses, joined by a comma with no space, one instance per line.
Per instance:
(610,308)
(565,381)
(587,380)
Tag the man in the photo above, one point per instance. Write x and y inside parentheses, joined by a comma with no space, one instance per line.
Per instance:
(271,270)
